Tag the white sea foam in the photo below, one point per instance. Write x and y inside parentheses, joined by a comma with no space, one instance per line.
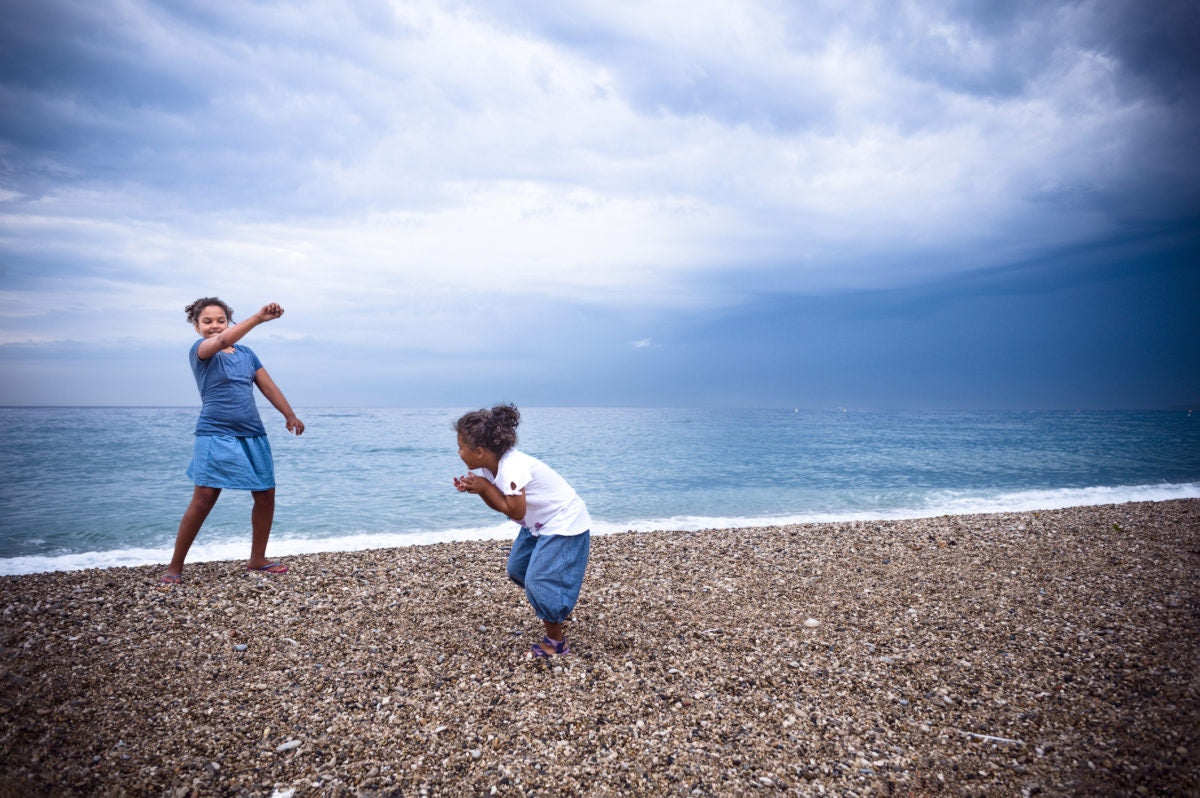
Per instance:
(219,550)
(937,503)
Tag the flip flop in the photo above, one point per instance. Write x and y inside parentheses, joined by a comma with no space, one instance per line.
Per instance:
(270,568)
(168,581)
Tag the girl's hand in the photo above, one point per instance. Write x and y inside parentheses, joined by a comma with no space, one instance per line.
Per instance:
(270,311)
(295,425)
(468,483)
(512,506)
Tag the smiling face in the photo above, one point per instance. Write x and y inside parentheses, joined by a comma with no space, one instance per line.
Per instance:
(474,456)
(211,321)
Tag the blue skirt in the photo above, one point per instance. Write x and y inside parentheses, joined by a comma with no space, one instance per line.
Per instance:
(223,461)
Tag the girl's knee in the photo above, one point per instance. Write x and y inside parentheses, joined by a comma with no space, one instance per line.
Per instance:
(205,498)
(518,559)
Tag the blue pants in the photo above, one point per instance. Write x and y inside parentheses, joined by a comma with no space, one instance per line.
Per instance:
(550,568)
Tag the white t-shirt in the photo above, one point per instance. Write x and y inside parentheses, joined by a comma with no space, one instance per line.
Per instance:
(552,507)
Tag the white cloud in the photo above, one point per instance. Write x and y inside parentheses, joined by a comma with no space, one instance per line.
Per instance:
(415,156)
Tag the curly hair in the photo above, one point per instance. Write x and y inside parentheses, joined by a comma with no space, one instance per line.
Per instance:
(194,310)
(494,430)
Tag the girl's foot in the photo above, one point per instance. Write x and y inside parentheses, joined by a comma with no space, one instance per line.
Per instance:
(168,581)
(549,647)
(270,568)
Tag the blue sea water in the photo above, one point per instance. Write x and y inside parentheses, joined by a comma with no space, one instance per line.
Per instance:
(98,487)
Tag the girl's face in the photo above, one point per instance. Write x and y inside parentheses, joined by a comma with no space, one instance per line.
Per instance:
(473,456)
(211,321)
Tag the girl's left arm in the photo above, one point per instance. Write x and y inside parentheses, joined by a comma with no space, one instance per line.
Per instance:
(511,505)
(275,396)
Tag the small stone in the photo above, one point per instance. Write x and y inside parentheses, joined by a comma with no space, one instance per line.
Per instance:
(240,646)
(288,746)
(812,623)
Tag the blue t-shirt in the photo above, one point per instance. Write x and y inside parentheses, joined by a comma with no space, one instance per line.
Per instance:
(226,383)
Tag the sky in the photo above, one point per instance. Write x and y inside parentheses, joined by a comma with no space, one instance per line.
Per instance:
(748,203)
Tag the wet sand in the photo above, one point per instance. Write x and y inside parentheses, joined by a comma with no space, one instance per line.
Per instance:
(1041,653)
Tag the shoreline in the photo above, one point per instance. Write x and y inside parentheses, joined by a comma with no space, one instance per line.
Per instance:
(1054,652)
(210,549)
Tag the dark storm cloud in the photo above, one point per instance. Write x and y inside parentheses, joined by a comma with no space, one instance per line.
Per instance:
(616,191)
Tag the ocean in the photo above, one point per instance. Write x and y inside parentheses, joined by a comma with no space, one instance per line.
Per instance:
(93,487)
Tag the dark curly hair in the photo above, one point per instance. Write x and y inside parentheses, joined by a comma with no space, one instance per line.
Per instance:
(194,310)
(494,430)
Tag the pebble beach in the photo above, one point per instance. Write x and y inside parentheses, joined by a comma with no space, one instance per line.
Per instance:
(1041,653)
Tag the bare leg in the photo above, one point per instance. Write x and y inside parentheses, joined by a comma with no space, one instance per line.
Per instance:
(201,505)
(261,519)
(554,631)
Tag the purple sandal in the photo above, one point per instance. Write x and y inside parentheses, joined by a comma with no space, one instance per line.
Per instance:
(536,651)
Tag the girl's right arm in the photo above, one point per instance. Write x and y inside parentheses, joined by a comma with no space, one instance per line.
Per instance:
(210,346)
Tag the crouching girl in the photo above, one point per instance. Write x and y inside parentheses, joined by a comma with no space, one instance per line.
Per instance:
(550,554)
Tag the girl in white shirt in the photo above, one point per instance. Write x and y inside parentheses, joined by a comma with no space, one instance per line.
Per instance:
(550,554)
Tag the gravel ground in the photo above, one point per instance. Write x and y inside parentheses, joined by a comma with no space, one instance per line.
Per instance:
(1042,653)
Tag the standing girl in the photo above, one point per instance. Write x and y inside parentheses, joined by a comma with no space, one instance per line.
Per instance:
(231,448)
(550,554)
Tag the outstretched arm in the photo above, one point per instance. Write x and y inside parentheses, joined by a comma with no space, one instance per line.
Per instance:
(512,506)
(210,346)
(275,396)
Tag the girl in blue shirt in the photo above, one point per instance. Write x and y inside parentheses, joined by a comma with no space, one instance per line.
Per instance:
(231,448)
